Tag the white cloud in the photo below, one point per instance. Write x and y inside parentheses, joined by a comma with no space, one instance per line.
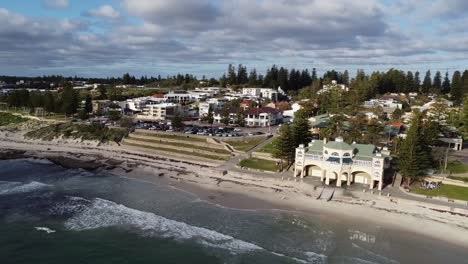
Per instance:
(105,11)
(56,4)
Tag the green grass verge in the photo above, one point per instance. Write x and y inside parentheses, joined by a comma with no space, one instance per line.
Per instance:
(97,132)
(188,153)
(183,145)
(170,136)
(463,179)
(259,164)
(457,167)
(246,144)
(8,118)
(268,148)
(449,191)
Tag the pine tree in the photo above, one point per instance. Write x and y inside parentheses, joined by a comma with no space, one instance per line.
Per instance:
(300,129)
(410,82)
(88,104)
(69,100)
(427,83)
(314,74)
(346,78)
(456,93)
(446,84)
(49,102)
(414,154)
(437,84)
(417,82)
(465,118)
(284,148)
(465,82)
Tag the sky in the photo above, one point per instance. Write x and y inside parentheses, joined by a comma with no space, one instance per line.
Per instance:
(103,38)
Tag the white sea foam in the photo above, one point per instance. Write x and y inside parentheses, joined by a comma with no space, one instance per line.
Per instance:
(39,161)
(17,187)
(380,258)
(315,258)
(45,229)
(103,213)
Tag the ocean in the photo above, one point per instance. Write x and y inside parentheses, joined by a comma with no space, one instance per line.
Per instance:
(50,214)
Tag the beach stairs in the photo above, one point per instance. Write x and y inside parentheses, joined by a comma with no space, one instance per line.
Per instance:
(326,194)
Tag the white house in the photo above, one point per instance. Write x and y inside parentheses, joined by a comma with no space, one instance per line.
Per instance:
(289,114)
(261,93)
(338,161)
(263,117)
(179,97)
(163,111)
(213,103)
(332,85)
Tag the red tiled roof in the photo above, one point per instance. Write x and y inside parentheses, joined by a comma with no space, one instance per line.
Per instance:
(247,102)
(261,110)
(397,124)
(158,95)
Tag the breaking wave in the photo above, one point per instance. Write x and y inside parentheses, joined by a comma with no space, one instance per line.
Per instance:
(7,188)
(103,213)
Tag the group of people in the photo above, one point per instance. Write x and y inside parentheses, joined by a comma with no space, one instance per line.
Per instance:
(430,185)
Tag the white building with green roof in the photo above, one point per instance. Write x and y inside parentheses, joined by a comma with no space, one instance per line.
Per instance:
(337,161)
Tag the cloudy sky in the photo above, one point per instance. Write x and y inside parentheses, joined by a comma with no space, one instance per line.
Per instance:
(109,37)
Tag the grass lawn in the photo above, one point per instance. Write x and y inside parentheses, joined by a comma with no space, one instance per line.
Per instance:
(246,144)
(183,145)
(188,153)
(463,179)
(457,167)
(170,136)
(7,118)
(268,148)
(449,191)
(259,164)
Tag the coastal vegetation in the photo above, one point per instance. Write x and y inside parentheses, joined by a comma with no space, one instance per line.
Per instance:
(260,164)
(268,148)
(445,190)
(8,118)
(92,132)
(171,136)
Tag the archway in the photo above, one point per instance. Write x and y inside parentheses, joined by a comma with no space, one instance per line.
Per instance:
(312,170)
(361,177)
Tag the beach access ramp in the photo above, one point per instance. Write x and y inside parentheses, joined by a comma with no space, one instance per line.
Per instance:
(326,194)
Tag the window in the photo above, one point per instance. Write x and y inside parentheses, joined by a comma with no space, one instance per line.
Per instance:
(346,155)
(335,154)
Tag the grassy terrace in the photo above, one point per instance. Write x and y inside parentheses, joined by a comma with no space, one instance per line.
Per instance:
(268,148)
(170,136)
(246,144)
(183,145)
(259,164)
(449,191)
(188,153)
(7,118)
(463,179)
(457,167)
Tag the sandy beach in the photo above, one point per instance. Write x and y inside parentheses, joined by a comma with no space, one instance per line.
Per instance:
(244,191)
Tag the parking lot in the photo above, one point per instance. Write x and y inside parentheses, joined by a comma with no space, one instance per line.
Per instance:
(203,130)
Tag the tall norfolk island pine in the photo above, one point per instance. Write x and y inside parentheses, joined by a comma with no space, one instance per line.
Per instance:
(414,156)
(284,145)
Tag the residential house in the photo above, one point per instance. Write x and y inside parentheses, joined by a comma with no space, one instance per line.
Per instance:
(263,117)
(333,85)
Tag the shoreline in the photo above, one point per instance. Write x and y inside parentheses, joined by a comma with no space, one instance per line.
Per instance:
(247,192)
